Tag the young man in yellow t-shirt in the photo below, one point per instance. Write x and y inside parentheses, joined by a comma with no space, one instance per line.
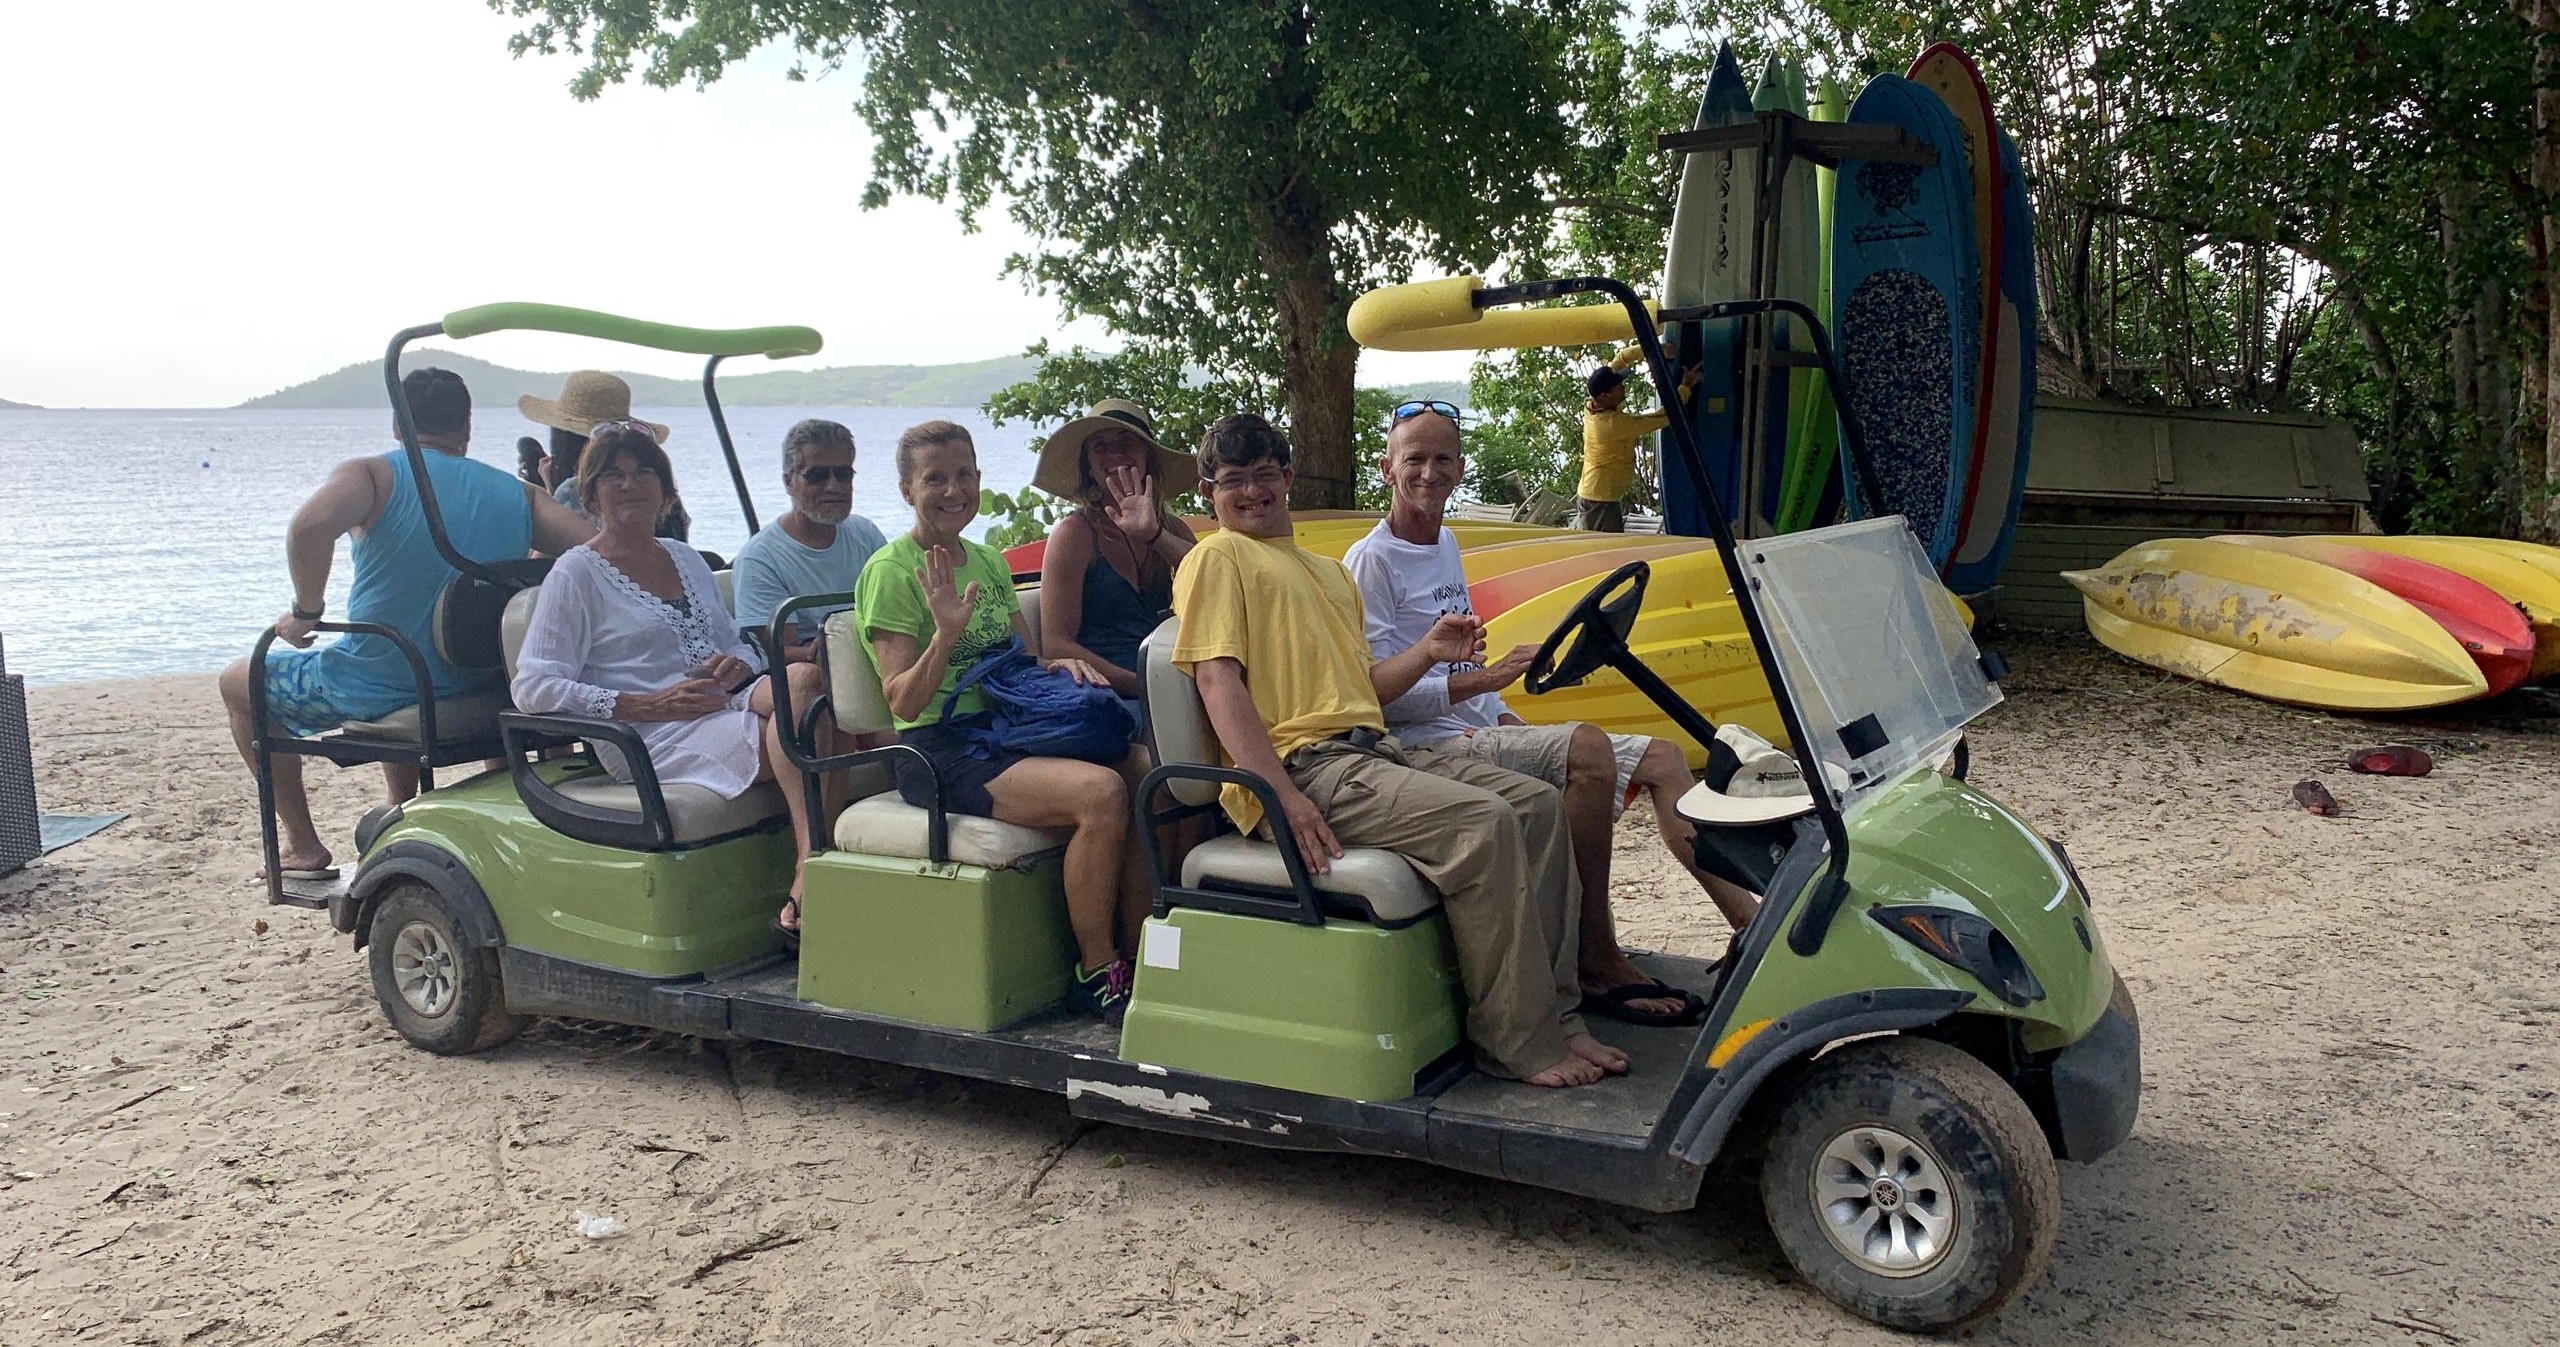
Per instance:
(1609,437)
(1275,638)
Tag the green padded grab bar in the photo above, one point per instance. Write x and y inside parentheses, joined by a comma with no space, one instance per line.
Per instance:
(774,342)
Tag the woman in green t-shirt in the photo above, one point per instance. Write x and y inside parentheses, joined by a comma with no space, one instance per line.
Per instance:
(931,602)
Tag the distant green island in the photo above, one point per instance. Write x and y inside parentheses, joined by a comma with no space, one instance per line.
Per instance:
(967,384)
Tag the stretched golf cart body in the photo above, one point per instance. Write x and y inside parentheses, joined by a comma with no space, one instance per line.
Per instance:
(1325,1012)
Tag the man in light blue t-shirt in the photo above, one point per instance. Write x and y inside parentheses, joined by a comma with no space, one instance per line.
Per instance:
(817,546)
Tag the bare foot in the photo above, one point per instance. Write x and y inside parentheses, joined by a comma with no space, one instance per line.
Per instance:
(1597,1053)
(1572,1071)
(318,858)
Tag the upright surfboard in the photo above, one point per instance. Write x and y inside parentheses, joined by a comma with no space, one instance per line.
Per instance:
(1904,280)
(1813,427)
(1800,245)
(2000,486)
(1946,71)
(1713,252)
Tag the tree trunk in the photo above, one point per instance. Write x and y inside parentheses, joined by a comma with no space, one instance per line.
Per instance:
(2542,19)
(1317,363)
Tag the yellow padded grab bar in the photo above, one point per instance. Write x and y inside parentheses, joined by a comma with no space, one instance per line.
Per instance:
(1441,316)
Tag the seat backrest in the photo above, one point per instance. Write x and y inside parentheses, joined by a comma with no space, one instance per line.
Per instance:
(469,611)
(853,685)
(727,580)
(1177,726)
(1029,596)
(513,624)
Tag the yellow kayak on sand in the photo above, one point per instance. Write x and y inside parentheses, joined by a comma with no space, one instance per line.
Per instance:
(2273,625)
(2524,574)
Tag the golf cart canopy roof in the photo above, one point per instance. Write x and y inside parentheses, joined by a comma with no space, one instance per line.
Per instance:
(775,343)
(1441,316)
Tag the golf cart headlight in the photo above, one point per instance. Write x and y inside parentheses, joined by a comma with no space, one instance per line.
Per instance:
(1963,940)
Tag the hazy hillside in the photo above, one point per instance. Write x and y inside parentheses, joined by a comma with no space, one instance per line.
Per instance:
(8,406)
(741,384)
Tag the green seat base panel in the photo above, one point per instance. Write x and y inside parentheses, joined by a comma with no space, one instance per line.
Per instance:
(1346,1009)
(655,914)
(958,946)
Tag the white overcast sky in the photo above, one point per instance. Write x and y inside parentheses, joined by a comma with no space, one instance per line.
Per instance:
(208,201)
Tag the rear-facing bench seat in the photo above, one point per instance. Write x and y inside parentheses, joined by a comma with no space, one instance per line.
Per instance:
(933,918)
(1253,969)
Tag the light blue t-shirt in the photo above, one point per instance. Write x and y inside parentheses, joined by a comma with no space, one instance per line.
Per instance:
(775,567)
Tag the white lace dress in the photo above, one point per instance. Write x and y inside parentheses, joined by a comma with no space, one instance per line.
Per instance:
(597,634)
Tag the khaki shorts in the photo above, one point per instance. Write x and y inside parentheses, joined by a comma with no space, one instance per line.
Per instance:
(1541,751)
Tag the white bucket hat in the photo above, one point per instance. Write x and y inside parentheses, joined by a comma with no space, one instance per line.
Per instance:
(1750,780)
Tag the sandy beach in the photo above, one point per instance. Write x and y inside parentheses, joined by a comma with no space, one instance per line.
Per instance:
(208,1134)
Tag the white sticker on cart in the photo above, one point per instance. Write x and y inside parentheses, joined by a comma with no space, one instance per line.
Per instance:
(1161,947)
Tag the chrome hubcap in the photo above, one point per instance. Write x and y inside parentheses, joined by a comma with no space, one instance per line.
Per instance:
(422,968)
(1884,1200)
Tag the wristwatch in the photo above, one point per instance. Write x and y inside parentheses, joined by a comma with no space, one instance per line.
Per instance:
(302,614)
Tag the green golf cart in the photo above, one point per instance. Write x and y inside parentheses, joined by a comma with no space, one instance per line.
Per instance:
(1919,1020)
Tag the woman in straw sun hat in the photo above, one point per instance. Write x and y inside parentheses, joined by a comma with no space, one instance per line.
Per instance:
(588,397)
(1107,576)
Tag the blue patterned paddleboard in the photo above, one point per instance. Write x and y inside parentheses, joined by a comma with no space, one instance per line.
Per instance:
(1984,548)
(1712,234)
(1906,305)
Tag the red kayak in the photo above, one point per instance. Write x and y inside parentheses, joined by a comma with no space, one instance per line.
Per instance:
(2493,630)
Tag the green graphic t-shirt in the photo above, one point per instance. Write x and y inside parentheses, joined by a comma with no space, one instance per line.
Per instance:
(890,598)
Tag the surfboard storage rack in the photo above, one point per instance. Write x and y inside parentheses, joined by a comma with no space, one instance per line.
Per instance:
(1780,138)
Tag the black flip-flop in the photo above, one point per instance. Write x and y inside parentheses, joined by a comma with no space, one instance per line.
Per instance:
(1618,1003)
(790,934)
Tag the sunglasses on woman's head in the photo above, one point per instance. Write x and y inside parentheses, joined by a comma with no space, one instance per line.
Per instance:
(599,429)
(817,473)
(1406,411)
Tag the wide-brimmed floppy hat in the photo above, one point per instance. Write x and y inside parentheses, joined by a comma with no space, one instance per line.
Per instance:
(1750,780)
(586,397)
(1061,467)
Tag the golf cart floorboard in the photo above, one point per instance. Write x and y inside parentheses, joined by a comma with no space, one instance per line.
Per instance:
(1627,1105)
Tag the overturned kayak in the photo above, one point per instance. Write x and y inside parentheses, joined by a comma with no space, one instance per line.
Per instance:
(2273,625)
(2492,629)
(2523,574)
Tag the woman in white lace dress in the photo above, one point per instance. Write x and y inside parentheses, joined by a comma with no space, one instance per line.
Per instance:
(630,627)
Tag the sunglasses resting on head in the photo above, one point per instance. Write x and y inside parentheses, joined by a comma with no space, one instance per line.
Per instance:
(1406,411)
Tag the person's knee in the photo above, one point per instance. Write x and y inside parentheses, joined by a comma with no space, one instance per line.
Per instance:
(1662,767)
(233,683)
(1101,800)
(1588,758)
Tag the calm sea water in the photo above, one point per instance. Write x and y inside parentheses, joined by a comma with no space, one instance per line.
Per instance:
(152,542)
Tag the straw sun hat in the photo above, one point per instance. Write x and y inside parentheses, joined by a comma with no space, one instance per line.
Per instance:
(586,397)
(1061,465)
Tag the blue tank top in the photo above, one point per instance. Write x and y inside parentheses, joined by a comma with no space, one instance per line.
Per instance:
(399,574)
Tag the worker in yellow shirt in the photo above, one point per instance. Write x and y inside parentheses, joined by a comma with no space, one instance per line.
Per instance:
(1609,438)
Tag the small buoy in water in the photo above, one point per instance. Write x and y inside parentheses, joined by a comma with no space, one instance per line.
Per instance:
(205,464)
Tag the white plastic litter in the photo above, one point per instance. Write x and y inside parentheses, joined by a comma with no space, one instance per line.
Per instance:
(601,1227)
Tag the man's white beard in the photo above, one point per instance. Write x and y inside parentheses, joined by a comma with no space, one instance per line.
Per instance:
(828,514)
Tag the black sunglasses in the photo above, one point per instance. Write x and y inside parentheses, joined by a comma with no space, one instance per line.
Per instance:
(1406,411)
(816,472)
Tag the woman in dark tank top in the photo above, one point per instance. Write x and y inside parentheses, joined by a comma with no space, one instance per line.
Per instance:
(1106,579)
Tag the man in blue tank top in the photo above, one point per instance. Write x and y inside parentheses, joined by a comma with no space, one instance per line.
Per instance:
(488,515)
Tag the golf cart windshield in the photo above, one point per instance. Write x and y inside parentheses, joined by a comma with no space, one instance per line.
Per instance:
(1872,648)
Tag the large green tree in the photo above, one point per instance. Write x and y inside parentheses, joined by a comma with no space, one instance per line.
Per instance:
(1215,180)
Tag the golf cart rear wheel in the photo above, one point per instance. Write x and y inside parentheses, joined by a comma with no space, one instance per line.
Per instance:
(1908,1182)
(441,992)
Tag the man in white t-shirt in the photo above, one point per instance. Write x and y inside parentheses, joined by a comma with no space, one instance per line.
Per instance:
(1409,575)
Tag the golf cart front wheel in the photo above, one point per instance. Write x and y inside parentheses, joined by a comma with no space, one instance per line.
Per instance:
(441,992)
(1911,1184)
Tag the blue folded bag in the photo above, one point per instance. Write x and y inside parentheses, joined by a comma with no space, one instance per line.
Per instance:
(1041,712)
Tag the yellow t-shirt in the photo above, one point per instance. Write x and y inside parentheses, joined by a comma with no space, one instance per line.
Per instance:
(1292,619)
(1609,451)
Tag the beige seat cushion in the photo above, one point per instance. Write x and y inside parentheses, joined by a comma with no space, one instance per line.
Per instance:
(1385,882)
(698,814)
(513,624)
(885,825)
(472,716)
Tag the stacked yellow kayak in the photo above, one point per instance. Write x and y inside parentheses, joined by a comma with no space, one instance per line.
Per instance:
(2266,617)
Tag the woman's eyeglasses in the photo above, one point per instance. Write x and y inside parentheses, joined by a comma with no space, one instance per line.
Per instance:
(1406,411)
(819,474)
(627,477)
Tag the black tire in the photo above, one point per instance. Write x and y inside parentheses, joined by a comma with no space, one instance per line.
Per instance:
(1991,1160)
(461,1004)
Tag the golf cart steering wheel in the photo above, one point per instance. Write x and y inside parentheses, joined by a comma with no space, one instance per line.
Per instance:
(1597,628)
